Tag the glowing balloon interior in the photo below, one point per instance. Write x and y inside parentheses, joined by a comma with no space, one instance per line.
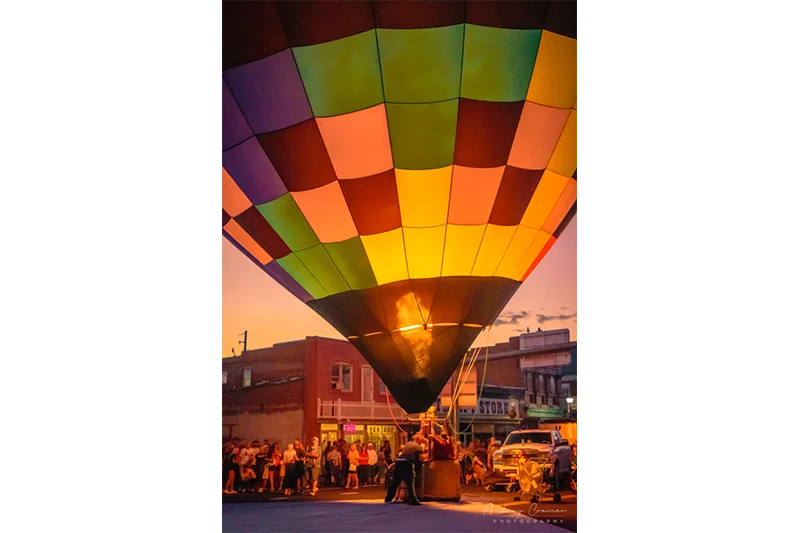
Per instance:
(401,167)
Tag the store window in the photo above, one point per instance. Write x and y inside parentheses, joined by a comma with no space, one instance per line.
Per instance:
(246,376)
(341,374)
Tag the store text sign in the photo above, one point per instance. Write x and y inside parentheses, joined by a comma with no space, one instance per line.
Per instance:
(493,407)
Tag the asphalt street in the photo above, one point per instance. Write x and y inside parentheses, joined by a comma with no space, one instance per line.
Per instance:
(498,511)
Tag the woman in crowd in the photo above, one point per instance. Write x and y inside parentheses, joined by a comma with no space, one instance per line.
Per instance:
(290,479)
(231,466)
(299,466)
(326,469)
(352,469)
(274,459)
(363,466)
(334,458)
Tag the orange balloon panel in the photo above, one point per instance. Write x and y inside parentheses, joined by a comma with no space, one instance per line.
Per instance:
(472,194)
(234,201)
(550,242)
(565,156)
(561,208)
(540,240)
(358,142)
(327,213)
(520,243)
(247,242)
(537,135)
(544,199)
(555,74)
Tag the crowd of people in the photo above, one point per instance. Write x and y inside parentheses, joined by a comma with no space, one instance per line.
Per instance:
(255,466)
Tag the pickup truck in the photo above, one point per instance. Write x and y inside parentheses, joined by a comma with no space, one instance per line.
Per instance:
(524,445)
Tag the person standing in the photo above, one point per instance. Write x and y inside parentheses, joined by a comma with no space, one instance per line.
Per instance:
(231,466)
(289,458)
(363,466)
(335,465)
(313,464)
(352,469)
(262,471)
(405,466)
(442,447)
(274,459)
(299,466)
(372,463)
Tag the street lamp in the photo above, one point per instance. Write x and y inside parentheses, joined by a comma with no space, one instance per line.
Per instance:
(569,406)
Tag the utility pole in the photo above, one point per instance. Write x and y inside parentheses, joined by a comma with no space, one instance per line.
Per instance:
(454,401)
(244,341)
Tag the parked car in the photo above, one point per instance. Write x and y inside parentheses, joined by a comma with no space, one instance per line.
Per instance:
(522,446)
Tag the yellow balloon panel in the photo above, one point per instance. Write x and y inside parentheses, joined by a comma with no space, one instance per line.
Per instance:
(520,242)
(327,213)
(555,74)
(562,207)
(461,248)
(494,244)
(424,248)
(424,196)
(243,238)
(387,255)
(531,254)
(544,199)
(565,157)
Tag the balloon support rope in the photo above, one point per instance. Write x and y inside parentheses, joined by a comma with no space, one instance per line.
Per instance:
(389,405)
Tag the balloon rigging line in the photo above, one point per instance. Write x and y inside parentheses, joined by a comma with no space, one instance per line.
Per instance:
(391,413)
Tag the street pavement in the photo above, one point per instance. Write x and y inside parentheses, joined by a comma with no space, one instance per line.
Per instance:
(352,511)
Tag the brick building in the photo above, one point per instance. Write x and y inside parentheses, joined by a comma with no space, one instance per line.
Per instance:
(324,387)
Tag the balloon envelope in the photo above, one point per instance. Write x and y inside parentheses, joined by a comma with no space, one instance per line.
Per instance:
(400,167)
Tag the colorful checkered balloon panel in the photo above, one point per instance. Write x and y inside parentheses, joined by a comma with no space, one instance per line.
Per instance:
(401,167)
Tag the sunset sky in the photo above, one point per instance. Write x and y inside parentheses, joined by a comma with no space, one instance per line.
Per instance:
(253,301)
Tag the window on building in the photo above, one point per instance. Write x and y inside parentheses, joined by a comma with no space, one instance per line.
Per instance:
(381,387)
(246,375)
(529,381)
(341,377)
(552,385)
(224,377)
(540,384)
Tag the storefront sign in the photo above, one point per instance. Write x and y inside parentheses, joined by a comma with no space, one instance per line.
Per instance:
(329,427)
(493,407)
(349,428)
(381,430)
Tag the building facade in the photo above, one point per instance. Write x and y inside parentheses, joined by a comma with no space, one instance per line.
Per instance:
(324,387)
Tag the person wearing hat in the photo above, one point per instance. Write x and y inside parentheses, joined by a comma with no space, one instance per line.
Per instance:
(313,467)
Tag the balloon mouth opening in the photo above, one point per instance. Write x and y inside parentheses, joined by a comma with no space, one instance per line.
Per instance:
(425,327)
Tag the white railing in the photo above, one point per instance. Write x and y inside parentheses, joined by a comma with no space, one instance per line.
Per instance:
(358,410)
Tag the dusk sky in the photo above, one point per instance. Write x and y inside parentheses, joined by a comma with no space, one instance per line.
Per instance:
(253,301)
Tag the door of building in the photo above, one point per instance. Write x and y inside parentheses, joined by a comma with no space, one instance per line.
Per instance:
(366,383)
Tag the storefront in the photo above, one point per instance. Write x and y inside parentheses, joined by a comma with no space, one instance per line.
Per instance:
(375,433)
(497,414)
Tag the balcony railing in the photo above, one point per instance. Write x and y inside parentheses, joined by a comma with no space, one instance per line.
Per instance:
(340,410)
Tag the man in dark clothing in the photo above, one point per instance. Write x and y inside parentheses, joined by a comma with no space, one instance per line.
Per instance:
(404,470)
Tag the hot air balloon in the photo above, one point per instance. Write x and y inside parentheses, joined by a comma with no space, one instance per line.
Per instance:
(400,167)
